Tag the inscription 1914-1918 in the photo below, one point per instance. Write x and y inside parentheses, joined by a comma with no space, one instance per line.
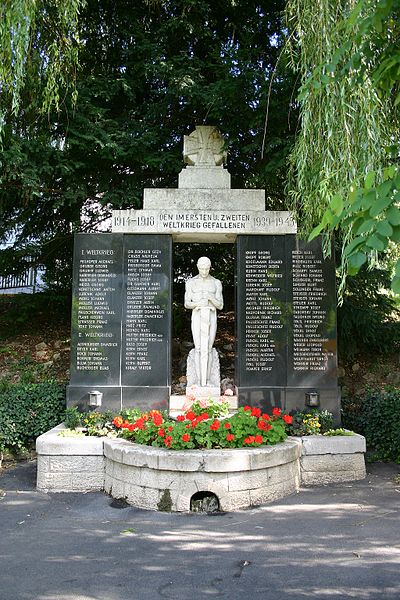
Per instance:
(121,319)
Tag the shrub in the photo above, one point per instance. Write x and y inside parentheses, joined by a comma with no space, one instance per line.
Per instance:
(377,417)
(368,320)
(27,411)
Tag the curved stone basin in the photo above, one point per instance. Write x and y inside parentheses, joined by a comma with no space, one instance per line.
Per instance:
(162,479)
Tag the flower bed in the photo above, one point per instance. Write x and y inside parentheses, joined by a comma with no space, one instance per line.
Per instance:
(236,462)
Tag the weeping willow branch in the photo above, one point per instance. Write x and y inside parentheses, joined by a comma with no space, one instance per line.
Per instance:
(38,43)
(343,131)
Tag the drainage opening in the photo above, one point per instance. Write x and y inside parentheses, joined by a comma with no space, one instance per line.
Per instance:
(206,502)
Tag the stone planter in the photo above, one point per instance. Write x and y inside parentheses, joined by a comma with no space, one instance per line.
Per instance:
(162,479)
(158,478)
(331,459)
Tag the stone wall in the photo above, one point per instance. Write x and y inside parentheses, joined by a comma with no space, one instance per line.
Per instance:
(161,479)
(69,464)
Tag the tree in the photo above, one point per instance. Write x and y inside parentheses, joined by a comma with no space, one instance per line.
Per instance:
(342,176)
(148,74)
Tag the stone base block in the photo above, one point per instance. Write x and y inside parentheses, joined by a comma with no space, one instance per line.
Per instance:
(69,464)
(332,468)
(331,459)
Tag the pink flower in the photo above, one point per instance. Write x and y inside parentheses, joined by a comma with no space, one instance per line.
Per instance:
(203,403)
(228,392)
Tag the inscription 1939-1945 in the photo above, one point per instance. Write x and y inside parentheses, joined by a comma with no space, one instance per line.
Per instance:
(286,313)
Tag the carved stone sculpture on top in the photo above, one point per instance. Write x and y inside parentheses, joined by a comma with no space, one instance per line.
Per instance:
(203,296)
(204,147)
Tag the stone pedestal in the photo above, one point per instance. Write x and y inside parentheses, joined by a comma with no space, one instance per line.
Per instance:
(193,378)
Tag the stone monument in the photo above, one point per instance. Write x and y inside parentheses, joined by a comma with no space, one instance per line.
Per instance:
(203,296)
(285,298)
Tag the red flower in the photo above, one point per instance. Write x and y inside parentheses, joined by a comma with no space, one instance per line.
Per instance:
(215,425)
(188,426)
(268,427)
(227,425)
(170,428)
(276,411)
(190,415)
(262,425)
(258,439)
(230,437)
(246,407)
(185,437)
(203,416)
(180,418)
(168,440)
(130,427)
(249,440)
(161,432)
(288,419)
(157,419)
(118,422)
(256,412)
(265,417)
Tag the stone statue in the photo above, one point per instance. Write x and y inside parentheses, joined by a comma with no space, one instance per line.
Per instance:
(203,296)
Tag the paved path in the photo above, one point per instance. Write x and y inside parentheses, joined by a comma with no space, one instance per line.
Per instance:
(326,543)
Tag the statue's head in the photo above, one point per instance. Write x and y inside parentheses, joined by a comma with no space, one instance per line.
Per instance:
(204,265)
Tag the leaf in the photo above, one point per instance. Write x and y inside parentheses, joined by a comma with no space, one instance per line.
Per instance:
(376,242)
(370,180)
(396,234)
(384,188)
(384,229)
(336,204)
(380,205)
(396,285)
(368,200)
(353,245)
(393,215)
(355,261)
(365,226)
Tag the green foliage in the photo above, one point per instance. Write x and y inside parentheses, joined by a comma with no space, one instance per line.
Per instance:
(376,416)
(149,72)
(339,431)
(310,421)
(343,120)
(371,216)
(33,312)
(248,427)
(368,319)
(38,53)
(73,418)
(349,63)
(27,411)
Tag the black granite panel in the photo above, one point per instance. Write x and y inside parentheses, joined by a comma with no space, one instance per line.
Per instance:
(264,398)
(329,399)
(261,311)
(96,310)
(145,398)
(79,396)
(312,356)
(146,333)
